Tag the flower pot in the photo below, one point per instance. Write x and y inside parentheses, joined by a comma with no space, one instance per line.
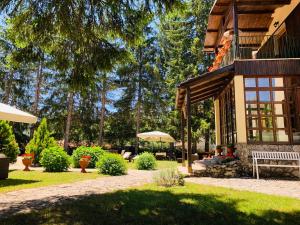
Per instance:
(230,151)
(83,164)
(4,166)
(27,163)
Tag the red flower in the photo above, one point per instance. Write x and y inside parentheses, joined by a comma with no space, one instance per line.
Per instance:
(86,157)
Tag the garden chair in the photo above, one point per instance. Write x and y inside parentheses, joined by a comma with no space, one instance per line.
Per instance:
(127,155)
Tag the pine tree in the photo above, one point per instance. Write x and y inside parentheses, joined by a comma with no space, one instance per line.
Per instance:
(8,144)
(41,140)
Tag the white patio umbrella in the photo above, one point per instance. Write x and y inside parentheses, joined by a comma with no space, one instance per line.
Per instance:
(12,114)
(156,136)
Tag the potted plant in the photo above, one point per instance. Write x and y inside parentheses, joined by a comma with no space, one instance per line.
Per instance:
(27,161)
(219,150)
(230,149)
(84,162)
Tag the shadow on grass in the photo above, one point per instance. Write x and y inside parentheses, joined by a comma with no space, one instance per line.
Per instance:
(148,207)
(14,182)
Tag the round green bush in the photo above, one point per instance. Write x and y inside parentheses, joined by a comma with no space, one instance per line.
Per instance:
(112,164)
(55,159)
(94,152)
(8,144)
(146,161)
(41,140)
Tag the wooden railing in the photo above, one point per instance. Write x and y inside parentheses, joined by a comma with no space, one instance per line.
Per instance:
(262,47)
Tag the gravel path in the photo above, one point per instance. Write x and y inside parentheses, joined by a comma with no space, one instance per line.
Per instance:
(274,187)
(37,198)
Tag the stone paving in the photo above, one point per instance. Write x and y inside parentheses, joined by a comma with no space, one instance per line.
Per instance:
(37,198)
(290,188)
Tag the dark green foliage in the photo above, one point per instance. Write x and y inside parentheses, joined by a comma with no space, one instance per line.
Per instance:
(8,144)
(146,161)
(55,159)
(112,164)
(95,152)
(41,140)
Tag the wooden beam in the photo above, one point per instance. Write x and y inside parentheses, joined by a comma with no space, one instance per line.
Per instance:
(223,26)
(189,130)
(235,27)
(255,12)
(247,12)
(203,98)
(182,137)
(248,30)
(257,2)
(208,92)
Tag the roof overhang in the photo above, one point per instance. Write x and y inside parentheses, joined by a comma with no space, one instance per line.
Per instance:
(254,18)
(210,84)
(204,86)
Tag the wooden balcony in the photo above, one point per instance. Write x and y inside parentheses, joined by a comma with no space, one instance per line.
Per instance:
(262,47)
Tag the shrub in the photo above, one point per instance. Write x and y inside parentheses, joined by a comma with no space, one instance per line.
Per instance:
(169,177)
(94,152)
(55,159)
(8,144)
(41,140)
(146,161)
(112,164)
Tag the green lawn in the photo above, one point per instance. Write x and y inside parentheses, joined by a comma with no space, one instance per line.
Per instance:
(20,179)
(151,205)
(161,164)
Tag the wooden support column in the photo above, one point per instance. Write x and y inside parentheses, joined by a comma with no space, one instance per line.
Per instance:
(235,27)
(182,137)
(189,130)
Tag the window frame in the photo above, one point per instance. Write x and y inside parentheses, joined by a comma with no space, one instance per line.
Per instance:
(285,110)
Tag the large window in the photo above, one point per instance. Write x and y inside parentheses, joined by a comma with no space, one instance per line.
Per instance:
(227,115)
(272,109)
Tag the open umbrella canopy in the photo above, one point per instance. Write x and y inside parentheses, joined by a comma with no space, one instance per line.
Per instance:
(156,136)
(12,114)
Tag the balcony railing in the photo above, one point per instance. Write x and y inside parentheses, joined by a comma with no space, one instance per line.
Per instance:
(262,47)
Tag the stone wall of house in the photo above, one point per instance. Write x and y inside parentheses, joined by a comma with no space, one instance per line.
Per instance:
(244,153)
(226,170)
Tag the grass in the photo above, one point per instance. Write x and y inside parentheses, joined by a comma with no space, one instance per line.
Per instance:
(161,164)
(188,205)
(18,180)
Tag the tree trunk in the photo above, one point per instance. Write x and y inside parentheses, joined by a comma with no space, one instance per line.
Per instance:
(102,112)
(138,114)
(8,86)
(39,80)
(69,120)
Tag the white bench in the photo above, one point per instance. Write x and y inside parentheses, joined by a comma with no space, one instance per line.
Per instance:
(287,156)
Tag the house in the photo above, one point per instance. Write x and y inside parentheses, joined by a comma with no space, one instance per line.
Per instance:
(254,79)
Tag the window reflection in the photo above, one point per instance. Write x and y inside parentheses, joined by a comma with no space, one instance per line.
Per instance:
(277,82)
(267,122)
(252,122)
(263,82)
(250,82)
(264,96)
(278,109)
(278,96)
(251,109)
(253,135)
(280,122)
(265,109)
(267,135)
(251,96)
(282,136)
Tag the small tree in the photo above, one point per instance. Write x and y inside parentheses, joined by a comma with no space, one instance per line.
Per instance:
(41,140)
(8,144)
